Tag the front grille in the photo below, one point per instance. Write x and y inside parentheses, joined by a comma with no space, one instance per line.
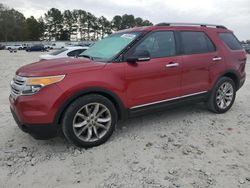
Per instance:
(17,85)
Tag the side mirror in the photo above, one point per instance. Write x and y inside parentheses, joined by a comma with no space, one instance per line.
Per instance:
(138,56)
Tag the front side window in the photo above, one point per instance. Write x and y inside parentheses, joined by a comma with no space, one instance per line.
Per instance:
(110,46)
(157,44)
(196,43)
(231,41)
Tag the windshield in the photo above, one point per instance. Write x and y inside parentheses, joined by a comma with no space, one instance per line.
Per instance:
(59,51)
(110,46)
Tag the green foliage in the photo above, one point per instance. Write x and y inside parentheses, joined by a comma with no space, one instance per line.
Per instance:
(117,23)
(127,21)
(12,25)
(35,28)
(70,24)
(54,24)
(57,25)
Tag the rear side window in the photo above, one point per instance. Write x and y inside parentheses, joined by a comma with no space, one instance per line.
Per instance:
(231,41)
(196,43)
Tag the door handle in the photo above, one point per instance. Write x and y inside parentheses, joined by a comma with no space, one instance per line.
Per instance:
(170,65)
(217,58)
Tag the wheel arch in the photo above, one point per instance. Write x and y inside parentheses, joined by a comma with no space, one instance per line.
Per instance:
(234,76)
(114,98)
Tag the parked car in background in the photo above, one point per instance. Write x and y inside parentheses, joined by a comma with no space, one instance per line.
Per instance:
(247,48)
(58,45)
(37,47)
(69,51)
(14,47)
(48,47)
(85,43)
(2,47)
(24,47)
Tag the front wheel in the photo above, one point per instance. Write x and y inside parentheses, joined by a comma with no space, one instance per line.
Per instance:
(222,96)
(89,121)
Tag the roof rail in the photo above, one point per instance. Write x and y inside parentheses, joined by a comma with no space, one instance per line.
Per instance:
(191,24)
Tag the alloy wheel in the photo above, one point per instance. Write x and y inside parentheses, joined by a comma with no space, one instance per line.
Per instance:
(92,122)
(224,96)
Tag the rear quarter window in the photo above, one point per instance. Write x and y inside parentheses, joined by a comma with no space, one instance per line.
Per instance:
(230,40)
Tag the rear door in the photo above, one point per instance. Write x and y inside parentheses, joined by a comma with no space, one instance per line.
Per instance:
(199,56)
(157,79)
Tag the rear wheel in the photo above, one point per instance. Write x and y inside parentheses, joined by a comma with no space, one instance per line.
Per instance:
(222,96)
(89,121)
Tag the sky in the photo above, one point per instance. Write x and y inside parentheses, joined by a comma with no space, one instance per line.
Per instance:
(234,14)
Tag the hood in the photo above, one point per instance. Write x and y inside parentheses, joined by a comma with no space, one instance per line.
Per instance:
(58,67)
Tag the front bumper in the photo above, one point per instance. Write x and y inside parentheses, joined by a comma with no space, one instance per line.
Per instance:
(40,108)
(35,114)
(37,131)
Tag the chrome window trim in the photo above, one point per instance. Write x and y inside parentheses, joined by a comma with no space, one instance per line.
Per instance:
(166,100)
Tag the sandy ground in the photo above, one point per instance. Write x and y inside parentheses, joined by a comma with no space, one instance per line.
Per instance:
(185,147)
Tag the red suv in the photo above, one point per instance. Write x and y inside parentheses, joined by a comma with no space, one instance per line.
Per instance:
(128,73)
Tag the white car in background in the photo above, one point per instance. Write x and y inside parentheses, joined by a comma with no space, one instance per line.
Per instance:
(14,47)
(68,51)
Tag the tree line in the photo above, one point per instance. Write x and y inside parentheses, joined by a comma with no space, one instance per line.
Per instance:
(58,25)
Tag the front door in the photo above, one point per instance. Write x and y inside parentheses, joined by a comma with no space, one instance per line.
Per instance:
(156,80)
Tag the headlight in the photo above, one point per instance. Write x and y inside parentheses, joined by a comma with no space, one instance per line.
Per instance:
(44,80)
(34,84)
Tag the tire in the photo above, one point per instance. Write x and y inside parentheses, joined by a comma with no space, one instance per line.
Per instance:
(220,101)
(83,121)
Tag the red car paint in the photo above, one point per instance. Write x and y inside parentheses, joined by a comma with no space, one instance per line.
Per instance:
(134,84)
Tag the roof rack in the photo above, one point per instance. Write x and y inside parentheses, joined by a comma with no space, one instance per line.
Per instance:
(191,24)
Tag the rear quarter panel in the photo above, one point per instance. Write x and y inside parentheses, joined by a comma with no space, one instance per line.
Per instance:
(235,60)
